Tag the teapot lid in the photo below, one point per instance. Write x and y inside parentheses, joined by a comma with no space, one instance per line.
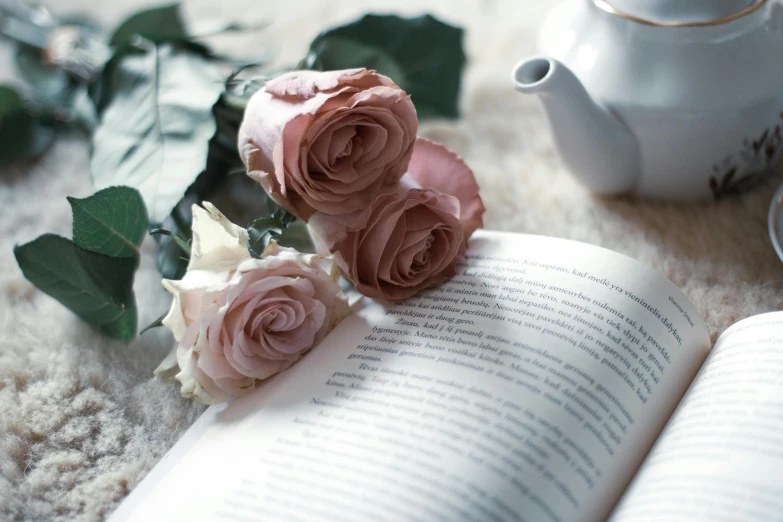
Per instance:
(680,12)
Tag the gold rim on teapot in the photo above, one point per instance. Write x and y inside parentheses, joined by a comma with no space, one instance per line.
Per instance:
(606,6)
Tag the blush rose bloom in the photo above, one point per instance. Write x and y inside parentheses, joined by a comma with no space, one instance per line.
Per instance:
(330,142)
(238,320)
(412,239)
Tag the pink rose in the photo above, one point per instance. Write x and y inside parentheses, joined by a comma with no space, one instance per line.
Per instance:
(237,319)
(328,141)
(412,239)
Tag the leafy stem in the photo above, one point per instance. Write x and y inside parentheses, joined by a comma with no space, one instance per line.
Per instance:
(180,221)
(181,243)
(155,324)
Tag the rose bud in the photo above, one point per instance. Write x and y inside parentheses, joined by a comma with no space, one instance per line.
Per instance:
(330,142)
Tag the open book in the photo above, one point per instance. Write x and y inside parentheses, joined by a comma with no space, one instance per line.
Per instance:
(548,381)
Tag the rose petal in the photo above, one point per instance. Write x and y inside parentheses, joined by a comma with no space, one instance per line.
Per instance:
(433,166)
(306,84)
(217,243)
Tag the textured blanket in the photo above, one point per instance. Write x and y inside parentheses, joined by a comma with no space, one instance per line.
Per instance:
(81,418)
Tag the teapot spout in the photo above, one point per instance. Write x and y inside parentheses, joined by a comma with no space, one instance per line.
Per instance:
(594,144)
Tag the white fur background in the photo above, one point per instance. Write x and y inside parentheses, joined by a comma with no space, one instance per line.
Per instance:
(81,419)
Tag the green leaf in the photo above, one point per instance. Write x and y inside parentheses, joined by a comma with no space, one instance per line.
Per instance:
(266,229)
(259,240)
(333,50)
(97,288)
(172,263)
(112,221)
(124,327)
(154,133)
(422,55)
(297,236)
(22,134)
(158,25)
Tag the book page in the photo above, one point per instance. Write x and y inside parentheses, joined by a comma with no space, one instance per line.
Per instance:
(721,456)
(528,387)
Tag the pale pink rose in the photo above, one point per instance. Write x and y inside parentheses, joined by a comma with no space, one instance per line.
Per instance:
(411,240)
(435,167)
(238,320)
(328,141)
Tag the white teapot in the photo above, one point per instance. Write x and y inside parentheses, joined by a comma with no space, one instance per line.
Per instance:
(669,99)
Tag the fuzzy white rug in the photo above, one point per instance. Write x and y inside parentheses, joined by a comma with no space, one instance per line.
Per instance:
(81,419)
